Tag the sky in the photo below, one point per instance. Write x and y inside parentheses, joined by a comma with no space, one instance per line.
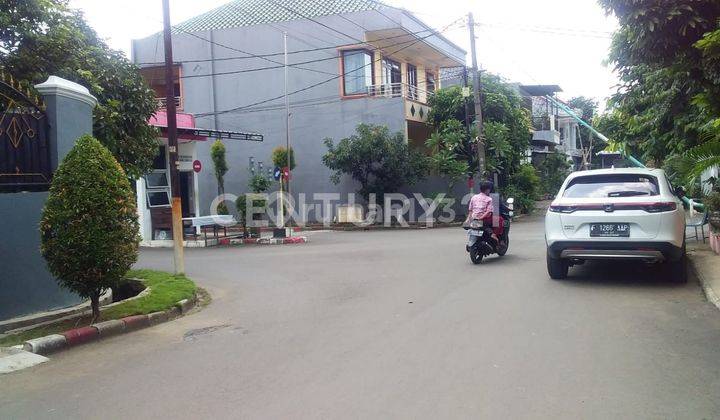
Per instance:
(563,42)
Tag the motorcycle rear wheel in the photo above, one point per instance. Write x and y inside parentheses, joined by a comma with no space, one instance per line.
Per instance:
(502,250)
(475,255)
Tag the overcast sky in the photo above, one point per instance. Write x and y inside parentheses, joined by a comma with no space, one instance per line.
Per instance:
(560,42)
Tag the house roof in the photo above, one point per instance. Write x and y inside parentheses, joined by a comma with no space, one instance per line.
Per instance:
(257,12)
(540,90)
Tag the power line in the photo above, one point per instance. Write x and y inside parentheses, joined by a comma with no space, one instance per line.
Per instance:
(324,81)
(551,30)
(245,57)
(295,65)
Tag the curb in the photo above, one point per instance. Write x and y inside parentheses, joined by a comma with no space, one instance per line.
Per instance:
(77,336)
(710,294)
(265,241)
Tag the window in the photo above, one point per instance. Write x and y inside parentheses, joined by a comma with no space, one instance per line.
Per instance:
(357,72)
(615,185)
(430,82)
(412,81)
(158,198)
(156,179)
(155,78)
(391,76)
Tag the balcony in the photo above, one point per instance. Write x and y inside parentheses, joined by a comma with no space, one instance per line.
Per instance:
(416,108)
(544,131)
(162,102)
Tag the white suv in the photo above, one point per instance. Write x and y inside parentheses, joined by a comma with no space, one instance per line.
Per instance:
(624,213)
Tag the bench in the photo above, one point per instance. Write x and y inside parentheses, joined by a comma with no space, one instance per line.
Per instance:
(202,224)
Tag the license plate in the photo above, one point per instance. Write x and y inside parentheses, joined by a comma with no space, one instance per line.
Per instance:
(610,229)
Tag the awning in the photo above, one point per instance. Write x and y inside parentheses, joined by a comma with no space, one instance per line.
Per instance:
(186,129)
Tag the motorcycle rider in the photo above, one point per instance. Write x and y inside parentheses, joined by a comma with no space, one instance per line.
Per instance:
(481,208)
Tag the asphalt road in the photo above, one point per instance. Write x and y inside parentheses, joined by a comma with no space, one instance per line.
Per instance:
(397,325)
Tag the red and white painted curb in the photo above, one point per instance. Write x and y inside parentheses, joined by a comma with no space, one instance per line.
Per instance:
(264,241)
(71,338)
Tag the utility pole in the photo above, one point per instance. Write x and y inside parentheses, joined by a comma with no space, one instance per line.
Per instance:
(465,95)
(478,103)
(287,113)
(174,163)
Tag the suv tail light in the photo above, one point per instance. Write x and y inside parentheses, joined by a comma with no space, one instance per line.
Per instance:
(658,207)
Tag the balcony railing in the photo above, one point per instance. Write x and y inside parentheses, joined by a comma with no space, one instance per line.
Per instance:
(162,102)
(397,90)
(541,123)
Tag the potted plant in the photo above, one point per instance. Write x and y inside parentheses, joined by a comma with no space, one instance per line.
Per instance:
(712,206)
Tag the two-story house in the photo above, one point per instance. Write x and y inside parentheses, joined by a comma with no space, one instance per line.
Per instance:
(350,62)
(554,130)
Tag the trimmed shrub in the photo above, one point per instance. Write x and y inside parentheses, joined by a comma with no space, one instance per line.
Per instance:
(280,157)
(89,226)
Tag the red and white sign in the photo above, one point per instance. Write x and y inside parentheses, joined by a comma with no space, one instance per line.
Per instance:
(197,166)
(286,172)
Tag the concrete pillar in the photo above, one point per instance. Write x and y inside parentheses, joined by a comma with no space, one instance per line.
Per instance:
(69,113)
(26,285)
(377,63)
(422,84)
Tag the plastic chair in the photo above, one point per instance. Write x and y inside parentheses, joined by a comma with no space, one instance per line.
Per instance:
(698,223)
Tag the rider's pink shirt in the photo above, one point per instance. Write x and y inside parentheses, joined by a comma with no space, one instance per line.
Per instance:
(479,204)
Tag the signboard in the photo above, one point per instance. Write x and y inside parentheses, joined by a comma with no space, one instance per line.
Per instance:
(197,166)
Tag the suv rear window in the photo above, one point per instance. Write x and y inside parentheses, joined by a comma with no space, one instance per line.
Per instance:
(612,185)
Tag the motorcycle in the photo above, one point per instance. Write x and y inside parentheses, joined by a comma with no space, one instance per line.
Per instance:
(480,242)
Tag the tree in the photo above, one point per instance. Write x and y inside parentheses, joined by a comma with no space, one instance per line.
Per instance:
(89,226)
(668,57)
(217,154)
(39,38)
(553,170)
(506,124)
(380,161)
(446,146)
(525,186)
(280,157)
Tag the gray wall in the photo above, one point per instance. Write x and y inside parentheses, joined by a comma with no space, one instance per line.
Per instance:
(310,123)
(26,286)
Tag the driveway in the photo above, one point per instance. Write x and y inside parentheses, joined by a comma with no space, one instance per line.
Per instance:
(396,324)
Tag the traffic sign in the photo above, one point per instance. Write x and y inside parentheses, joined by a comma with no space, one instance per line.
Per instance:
(277,173)
(286,173)
(197,166)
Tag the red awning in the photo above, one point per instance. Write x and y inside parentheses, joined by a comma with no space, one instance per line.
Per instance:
(187,130)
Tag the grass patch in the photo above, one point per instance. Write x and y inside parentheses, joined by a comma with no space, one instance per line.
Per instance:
(165,291)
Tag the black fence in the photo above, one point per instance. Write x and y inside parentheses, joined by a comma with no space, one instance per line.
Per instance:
(24,145)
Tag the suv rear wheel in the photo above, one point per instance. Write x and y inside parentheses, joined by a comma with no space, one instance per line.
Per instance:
(678,269)
(557,268)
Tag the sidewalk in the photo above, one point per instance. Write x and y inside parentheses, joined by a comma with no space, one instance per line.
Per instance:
(705,264)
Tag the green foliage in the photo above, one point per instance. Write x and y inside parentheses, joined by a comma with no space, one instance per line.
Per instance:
(89,225)
(380,161)
(259,183)
(165,291)
(525,187)
(668,57)
(446,145)
(553,170)
(39,38)
(217,154)
(712,201)
(241,204)
(506,128)
(691,165)
(280,157)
